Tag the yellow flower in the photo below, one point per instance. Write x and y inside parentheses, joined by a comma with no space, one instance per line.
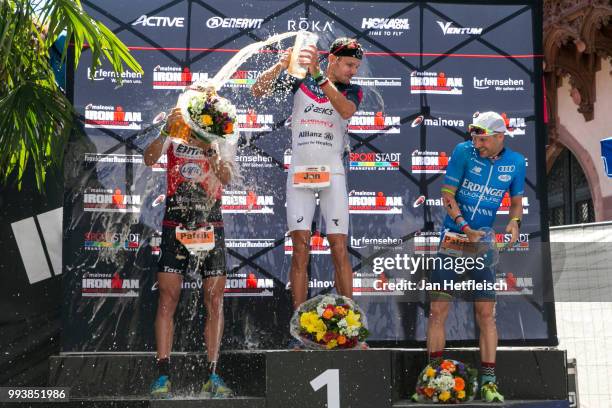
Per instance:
(461,394)
(340,310)
(206,120)
(445,395)
(352,320)
(430,372)
(332,344)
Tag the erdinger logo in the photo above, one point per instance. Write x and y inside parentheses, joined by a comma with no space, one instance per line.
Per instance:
(507,201)
(101,200)
(96,241)
(375,243)
(429,162)
(242,202)
(251,121)
(516,285)
(243,79)
(428,202)
(426,242)
(304,24)
(500,85)
(155,21)
(376,82)
(374,161)
(448,29)
(435,83)
(175,77)
(318,109)
(482,189)
(126,77)
(420,120)
(248,284)
(231,22)
(107,285)
(522,243)
(191,171)
(369,202)
(319,245)
(287,159)
(111,117)
(374,122)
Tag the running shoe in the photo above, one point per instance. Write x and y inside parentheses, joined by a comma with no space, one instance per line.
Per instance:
(215,387)
(295,344)
(161,387)
(489,393)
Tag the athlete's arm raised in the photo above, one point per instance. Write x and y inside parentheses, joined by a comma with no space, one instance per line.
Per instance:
(154,151)
(265,83)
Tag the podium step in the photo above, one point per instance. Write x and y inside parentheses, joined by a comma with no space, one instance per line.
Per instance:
(506,404)
(145,402)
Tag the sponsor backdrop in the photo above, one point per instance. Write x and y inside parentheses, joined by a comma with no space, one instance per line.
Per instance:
(428,67)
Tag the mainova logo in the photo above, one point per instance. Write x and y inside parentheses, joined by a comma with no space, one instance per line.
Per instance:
(233,22)
(449,29)
(159,21)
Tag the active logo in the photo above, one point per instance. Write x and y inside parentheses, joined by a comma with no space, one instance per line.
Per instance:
(111,117)
(232,22)
(370,202)
(429,162)
(159,21)
(449,29)
(103,200)
(435,83)
(499,85)
(246,202)
(374,122)
(374,161)
(174,77)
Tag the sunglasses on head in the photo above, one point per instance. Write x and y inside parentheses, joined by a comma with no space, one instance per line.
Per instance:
(476,130)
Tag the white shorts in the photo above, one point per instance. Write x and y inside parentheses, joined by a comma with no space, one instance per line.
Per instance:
(333,200)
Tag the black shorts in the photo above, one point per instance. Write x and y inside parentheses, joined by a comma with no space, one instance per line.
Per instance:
(175,257)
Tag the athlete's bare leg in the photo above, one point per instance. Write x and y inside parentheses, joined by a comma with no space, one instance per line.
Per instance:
(298,276)
(342,265)
(169,294)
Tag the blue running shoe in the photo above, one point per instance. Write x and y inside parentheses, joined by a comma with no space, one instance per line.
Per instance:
(215,388)
(161,387)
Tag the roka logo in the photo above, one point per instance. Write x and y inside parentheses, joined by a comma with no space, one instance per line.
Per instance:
(160,21)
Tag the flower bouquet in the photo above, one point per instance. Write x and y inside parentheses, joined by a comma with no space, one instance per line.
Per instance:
(450,382)
(329,322)
(209,116)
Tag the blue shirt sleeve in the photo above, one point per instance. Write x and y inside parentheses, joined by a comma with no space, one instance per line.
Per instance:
(517,185)
(456,166)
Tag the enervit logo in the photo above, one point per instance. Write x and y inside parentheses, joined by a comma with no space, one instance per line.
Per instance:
(428,202)
(127,77)
(447,28)
(365,242)
(374,161)
(369,23)
(370,202)
(154,21)
(41,253)
(251,121)
(500,85)
(368,81)
(436,122)
(102,200)
(173,77)
(111,117)
(310,25)
(242,202)
(107,285)
(374,122)
(429,162)
(232,22)
(435,83)
(319,245)
(255,161)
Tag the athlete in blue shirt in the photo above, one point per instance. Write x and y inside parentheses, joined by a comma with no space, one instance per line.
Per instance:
(479,173)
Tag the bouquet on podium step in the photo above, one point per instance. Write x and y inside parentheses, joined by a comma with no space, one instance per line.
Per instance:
(450,382)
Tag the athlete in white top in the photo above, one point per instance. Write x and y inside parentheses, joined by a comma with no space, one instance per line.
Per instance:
(322,106)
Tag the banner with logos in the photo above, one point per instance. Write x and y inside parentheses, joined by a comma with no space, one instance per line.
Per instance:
(428,67)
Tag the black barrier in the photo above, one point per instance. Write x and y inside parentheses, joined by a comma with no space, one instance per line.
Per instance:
(428,67)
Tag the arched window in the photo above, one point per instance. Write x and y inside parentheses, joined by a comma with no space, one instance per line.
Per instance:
(569,196)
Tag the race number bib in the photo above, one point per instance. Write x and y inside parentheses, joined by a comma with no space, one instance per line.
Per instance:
(458,245)
(311,176)
(201,239)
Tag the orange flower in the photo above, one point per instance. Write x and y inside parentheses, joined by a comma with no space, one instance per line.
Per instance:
(341,339)
(328,314)
(459,384)
(228,128)
(429,392)
(341,311)
(448,366)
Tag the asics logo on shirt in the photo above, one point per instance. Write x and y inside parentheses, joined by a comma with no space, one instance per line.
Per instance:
(317,109)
